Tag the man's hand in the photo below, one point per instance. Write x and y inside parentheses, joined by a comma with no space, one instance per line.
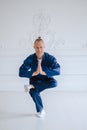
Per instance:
(39,69)
(35,73)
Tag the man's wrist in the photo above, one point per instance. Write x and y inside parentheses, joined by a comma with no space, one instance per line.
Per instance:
(35,73)
(43,73)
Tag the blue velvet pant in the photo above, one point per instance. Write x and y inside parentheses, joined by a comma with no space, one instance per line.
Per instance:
(39,86)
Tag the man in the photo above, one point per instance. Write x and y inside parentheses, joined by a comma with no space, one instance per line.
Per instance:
(40,68)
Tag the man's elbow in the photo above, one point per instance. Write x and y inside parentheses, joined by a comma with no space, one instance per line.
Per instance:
(21,73)
(58,71)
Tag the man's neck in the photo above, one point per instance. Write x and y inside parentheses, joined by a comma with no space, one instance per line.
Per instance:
(39,57)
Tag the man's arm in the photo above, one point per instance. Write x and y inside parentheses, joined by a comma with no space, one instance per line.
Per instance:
(25,69)
(53,68)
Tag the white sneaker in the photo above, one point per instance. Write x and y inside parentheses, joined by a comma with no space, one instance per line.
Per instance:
(27,87)
(41,114)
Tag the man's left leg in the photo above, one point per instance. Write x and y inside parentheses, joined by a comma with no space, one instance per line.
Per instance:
(46,84)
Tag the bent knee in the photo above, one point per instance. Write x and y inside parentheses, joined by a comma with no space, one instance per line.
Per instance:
(54,83)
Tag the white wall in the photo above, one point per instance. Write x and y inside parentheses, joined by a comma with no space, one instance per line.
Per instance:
(63,26)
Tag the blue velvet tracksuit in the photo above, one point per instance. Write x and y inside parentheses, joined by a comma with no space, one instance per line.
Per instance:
(41,82)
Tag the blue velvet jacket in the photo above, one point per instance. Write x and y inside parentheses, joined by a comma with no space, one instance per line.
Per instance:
(49,65)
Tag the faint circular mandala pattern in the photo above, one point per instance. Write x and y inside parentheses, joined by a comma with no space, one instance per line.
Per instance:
(41,20)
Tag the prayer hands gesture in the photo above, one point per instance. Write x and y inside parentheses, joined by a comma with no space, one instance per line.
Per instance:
(39,69)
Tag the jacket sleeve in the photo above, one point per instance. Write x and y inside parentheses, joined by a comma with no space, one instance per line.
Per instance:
(53,68)
(25,68)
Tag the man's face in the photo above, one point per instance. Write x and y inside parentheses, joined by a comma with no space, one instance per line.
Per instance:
(39,48)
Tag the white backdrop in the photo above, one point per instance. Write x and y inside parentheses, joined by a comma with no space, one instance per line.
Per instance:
(62,25)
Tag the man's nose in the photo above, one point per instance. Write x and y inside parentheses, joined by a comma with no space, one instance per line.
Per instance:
(39,49)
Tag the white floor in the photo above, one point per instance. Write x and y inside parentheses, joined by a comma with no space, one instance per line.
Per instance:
(65,111)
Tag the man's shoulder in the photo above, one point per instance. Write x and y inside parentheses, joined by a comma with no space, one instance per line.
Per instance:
(48,55)
(30,57)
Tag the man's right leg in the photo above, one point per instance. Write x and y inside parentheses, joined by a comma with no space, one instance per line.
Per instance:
(37,99)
